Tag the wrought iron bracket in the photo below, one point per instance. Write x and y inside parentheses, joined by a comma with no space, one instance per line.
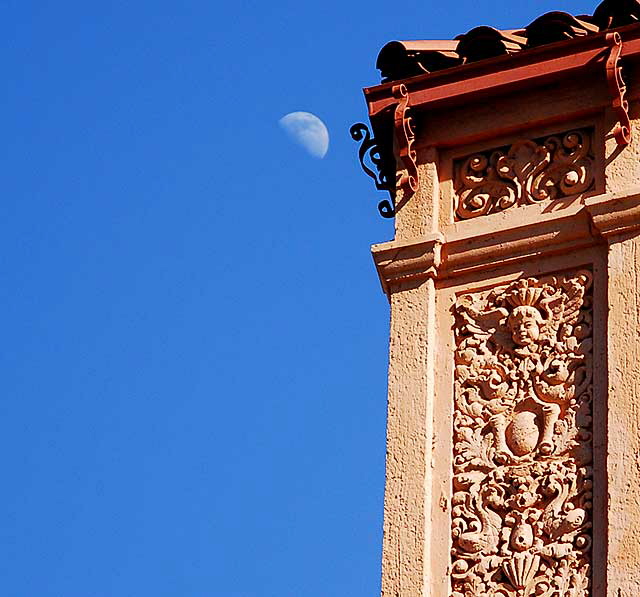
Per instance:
(618,90)
(370,150)
(405,137)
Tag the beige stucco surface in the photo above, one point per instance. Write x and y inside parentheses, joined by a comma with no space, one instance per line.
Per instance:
(623,420)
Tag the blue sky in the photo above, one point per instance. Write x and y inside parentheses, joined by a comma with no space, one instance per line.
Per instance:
(195,342)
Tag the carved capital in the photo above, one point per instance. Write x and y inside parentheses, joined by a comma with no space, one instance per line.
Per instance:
(614,214)
(403,262)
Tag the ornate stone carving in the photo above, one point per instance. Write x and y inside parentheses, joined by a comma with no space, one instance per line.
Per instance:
(526,172)
(522,458)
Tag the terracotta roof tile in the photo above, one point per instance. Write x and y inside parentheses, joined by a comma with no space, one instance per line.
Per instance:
(402,59)
(487,42)
(557,26)
(616,13)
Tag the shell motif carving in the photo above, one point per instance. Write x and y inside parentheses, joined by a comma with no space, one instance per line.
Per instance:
(522,461)
(526,172)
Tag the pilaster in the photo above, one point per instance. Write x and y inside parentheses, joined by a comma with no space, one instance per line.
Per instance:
(513,442)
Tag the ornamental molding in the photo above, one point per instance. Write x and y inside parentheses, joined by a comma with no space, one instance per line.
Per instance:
(459,251)
(521,513)
(524,173)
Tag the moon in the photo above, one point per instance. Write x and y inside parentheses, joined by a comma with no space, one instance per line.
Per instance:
(307,130)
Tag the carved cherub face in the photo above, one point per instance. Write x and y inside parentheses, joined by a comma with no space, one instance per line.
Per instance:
(524,324)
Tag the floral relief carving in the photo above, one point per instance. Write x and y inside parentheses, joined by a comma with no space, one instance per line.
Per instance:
(526,172)
(522,461)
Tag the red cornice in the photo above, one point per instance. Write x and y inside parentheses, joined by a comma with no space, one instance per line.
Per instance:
(499,75)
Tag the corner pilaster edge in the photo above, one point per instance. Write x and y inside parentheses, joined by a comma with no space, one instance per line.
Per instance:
(407,261)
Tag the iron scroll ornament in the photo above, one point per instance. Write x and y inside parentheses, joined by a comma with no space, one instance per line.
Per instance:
(370,150)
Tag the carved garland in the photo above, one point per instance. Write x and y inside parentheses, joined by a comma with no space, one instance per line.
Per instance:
(523,476)
(526,172)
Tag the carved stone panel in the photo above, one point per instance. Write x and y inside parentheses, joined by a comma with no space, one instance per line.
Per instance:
(524,173)
(522,452)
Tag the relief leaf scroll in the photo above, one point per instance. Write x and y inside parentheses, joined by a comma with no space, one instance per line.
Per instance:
(522,453)
(524,173)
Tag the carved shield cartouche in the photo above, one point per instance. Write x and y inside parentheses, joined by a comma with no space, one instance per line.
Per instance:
(522,461)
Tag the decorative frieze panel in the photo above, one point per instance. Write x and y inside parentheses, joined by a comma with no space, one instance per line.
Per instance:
(522,453)
(529,171)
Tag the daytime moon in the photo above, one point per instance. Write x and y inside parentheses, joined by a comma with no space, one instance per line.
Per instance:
(307,130)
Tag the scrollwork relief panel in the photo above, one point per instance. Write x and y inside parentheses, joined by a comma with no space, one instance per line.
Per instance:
(522,451)
(526,172)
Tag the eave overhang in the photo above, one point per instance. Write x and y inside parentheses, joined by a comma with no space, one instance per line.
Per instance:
(503,74)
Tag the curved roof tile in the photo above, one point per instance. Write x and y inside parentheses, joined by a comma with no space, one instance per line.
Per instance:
(487,42)
(617,13)
(403,59)
(557,26)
